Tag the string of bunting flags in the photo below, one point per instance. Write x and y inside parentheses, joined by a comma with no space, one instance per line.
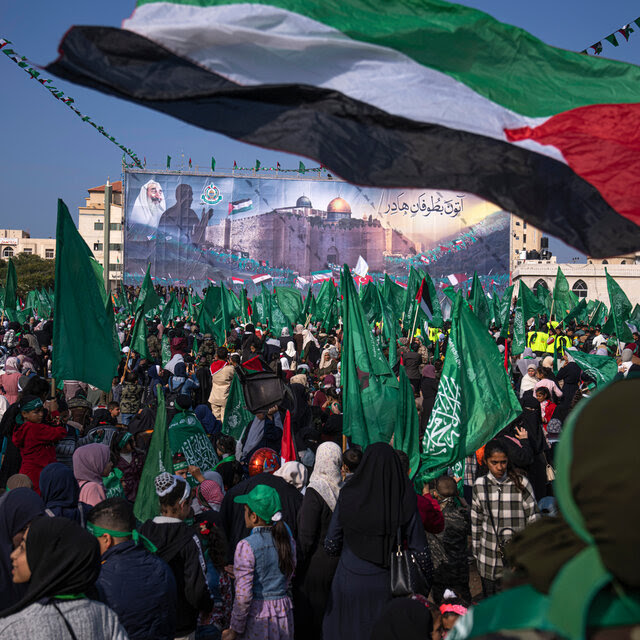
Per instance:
(258,167)
(29,68)
(624,31)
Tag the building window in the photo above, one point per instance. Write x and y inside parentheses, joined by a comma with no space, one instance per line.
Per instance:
(333,257)
(98,246)
(7,252)
(524,225)
(540,283)
(580,288)
(49,253)
(98,226)
(27,250)
(524,237)
(517,223)
(605,262)
(115,226)
(115,247)
(115,267)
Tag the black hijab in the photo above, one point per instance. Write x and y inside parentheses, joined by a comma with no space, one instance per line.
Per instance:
(63,557)
(60,491)
(17,510)
(374,503)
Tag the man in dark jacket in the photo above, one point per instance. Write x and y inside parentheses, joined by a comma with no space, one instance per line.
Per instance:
(135,583)
(412,361)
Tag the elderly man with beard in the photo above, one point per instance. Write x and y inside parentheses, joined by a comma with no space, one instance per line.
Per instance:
(149,205)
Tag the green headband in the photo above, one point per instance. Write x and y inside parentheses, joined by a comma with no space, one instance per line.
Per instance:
(125,438)
(181,464)
(135,535)
(36,403)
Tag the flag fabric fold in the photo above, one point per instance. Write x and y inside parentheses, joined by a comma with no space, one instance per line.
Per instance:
(548,134)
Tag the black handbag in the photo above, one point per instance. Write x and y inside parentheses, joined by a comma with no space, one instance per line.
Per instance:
(406,576)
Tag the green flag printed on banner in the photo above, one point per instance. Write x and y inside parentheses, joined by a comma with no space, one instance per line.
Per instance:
(474,399)
(370,386)
(83,332)
(602,369)
(236,414)
(158,459)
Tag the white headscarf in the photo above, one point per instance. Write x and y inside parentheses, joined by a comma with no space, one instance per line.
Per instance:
(308,337)
(291,349)
(326,478)
(170,366)
(144,210)
(295,473)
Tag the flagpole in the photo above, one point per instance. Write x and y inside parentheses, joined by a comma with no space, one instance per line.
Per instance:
(413,329)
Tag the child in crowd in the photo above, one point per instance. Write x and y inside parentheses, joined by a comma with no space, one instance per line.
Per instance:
(350,461)
(263,566)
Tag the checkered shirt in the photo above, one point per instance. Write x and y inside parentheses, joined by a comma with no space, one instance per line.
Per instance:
(511,510)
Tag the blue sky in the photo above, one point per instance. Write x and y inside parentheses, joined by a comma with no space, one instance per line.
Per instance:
(47,152)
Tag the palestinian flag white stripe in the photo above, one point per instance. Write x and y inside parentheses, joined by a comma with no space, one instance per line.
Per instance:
(274,53)
(376,89)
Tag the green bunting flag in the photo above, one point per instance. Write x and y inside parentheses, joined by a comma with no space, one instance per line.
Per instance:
(406,434)
(236,414)
(474,400)
(83,333)
(602,369)
(213,163)
(301,168)
(168,162)
(158,460)
(370,386)
(11,287)
(619,313)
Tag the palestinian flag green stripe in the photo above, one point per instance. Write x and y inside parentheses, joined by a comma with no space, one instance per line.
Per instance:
(501,62)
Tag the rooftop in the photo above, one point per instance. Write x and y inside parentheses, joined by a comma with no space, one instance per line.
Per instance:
(116,187)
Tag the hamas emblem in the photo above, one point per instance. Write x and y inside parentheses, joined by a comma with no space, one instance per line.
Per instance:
(211,194)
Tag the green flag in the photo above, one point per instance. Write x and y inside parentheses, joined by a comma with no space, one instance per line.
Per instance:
(474,400)
(602,369)
(370,386)
(11,287)
(290,302)
(563,298)
(158,460)
(171,310)
(148,298)
(395,295)
(209,309)
(619,313)
(187,435)
(370,301)
(168,162)
(479,302)
(634,318)
(406,435)
(166,350)
(544,297)
(599,315)
(325,300)
(409,307)
(278,320)
(236,414)
(139,337)
(577,311)
(527,307)
(213,163)
(83,345)
(301,168)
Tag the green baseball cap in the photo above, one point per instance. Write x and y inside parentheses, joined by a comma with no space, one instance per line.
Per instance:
(263,501)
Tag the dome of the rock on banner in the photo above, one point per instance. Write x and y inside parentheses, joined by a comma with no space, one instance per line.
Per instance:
(303,201)
(338,205)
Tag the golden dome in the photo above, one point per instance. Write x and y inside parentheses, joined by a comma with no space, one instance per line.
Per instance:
(339,205)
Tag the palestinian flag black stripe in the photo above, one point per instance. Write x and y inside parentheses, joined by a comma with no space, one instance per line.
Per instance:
(525,155)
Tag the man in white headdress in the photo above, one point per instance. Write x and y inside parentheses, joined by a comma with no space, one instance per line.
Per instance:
(149,205)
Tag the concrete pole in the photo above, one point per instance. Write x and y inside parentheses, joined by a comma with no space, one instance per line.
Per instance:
(107,233)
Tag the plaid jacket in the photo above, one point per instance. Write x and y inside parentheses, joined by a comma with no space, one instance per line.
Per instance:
(511,510)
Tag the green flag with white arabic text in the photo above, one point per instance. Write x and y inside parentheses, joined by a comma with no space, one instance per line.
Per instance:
(474,400)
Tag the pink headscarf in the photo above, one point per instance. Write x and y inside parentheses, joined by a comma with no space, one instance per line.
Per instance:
(89,462)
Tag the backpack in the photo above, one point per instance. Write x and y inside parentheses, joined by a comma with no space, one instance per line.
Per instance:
(170,398)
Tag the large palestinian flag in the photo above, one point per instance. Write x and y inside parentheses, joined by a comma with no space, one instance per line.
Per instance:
(393,93)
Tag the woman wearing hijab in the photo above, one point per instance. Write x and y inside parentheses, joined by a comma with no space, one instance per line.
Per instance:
(208,421)
(294,473)
(9,380)
(529,379)
(61,493)
(91,463)
(428,390)
(525,361)
(59,562)
(310,347)
(376,504)
(18,509)
(316,569)
(129,460)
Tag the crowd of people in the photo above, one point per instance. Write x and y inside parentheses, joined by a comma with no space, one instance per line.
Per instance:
(243,545)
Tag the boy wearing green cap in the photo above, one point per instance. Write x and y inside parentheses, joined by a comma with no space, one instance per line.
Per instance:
(263,565)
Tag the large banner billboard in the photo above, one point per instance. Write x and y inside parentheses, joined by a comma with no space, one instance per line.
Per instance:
(197,229)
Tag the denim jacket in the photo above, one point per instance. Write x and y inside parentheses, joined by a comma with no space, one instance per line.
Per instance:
(268,581)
